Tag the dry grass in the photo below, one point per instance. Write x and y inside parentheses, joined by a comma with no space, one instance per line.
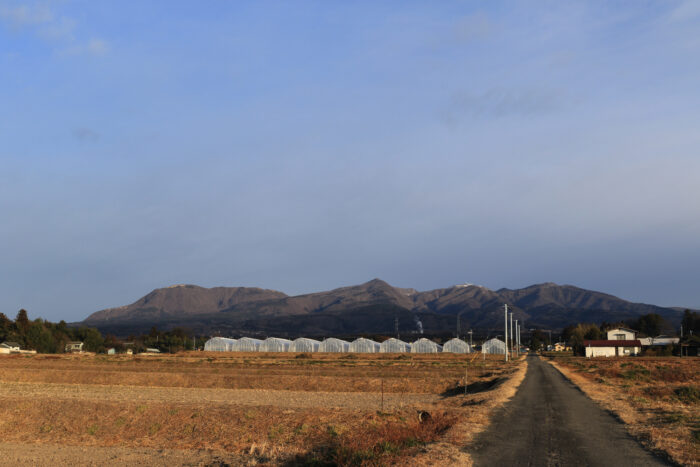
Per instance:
(658,398)
(101,408)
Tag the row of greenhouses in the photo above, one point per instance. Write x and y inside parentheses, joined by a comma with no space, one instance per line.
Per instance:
(331,344)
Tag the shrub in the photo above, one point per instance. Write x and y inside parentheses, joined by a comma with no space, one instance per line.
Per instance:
(688,394)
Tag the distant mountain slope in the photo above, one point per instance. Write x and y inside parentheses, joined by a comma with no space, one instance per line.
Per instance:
(181,301)
(371,307)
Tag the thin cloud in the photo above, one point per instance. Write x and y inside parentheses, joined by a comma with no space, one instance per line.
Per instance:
(498,103)
(25,15)
(686,10)
(86,135)
(94,47)
(59,30)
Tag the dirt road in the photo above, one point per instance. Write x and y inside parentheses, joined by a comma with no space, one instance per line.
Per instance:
(550,422)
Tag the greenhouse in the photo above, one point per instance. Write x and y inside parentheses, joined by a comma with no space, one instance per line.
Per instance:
(304,344)
(424,345)
(394,345)
(362,345)
(334,345)
(275,344)
(456,346)
(247,344)
(219,344)
(494,346)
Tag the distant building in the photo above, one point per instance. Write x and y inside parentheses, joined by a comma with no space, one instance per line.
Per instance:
(9,347)
(74,347)
(152,350)
(659,340)
(111,351)
(612,348)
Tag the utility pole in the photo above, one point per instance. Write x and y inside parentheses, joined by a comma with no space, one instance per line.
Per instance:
(470,338)
(510,315)
(396,326)
(517,347)
(506,331)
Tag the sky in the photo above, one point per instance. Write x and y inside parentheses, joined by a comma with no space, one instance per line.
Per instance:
(308,145)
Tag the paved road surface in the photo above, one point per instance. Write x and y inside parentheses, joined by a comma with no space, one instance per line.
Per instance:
(550,422)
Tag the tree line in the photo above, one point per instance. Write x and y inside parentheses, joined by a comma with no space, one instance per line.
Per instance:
(47,337)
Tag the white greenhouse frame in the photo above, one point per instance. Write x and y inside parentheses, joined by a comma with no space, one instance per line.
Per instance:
(304,344)
(219,344)
(332,344)
(247,344)
(456,346)
(394,345)
(494,346)
(424,345)
(275,344)
(363,345)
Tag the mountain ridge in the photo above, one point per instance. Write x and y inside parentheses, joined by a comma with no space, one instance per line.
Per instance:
(371,307)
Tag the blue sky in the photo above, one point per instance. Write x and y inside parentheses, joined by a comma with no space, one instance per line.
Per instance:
(303,146)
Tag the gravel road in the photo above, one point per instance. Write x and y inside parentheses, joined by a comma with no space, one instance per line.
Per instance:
(550,422)
(250,397)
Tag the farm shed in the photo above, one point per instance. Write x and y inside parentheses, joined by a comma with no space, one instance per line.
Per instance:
(362,345)
(394,345)
(275,344)
(456,346)
(334,345)
(496,346)
(247,344)
(424,345)
(9,347)
(219,344)
(304,344)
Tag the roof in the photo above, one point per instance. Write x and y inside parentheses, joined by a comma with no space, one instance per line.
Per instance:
(10,344)
(612,343)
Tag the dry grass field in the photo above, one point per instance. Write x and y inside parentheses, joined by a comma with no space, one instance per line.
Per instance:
(658,398)
(246,408)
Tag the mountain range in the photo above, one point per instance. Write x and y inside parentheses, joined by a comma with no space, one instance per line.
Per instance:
(374,307)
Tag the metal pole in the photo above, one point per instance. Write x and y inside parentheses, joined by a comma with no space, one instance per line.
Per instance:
(470,339)
(511,333)
(517,347)
(506,331)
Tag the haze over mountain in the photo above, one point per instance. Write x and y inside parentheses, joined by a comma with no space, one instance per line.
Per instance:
(371,307)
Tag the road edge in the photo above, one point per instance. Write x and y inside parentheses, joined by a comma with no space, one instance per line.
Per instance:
(620,410)
(453,449)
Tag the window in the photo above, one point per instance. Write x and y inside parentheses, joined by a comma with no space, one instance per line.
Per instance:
(620,337)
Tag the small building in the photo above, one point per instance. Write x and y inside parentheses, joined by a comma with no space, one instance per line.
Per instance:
(456,346)
(111,351)
(304,344)
(74,347)
(622,334)
(659,340)
(9,347)
(394,345)
(424,345)
(561,347)
(334,345)
(363,345)
(494,346)
(612,348)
